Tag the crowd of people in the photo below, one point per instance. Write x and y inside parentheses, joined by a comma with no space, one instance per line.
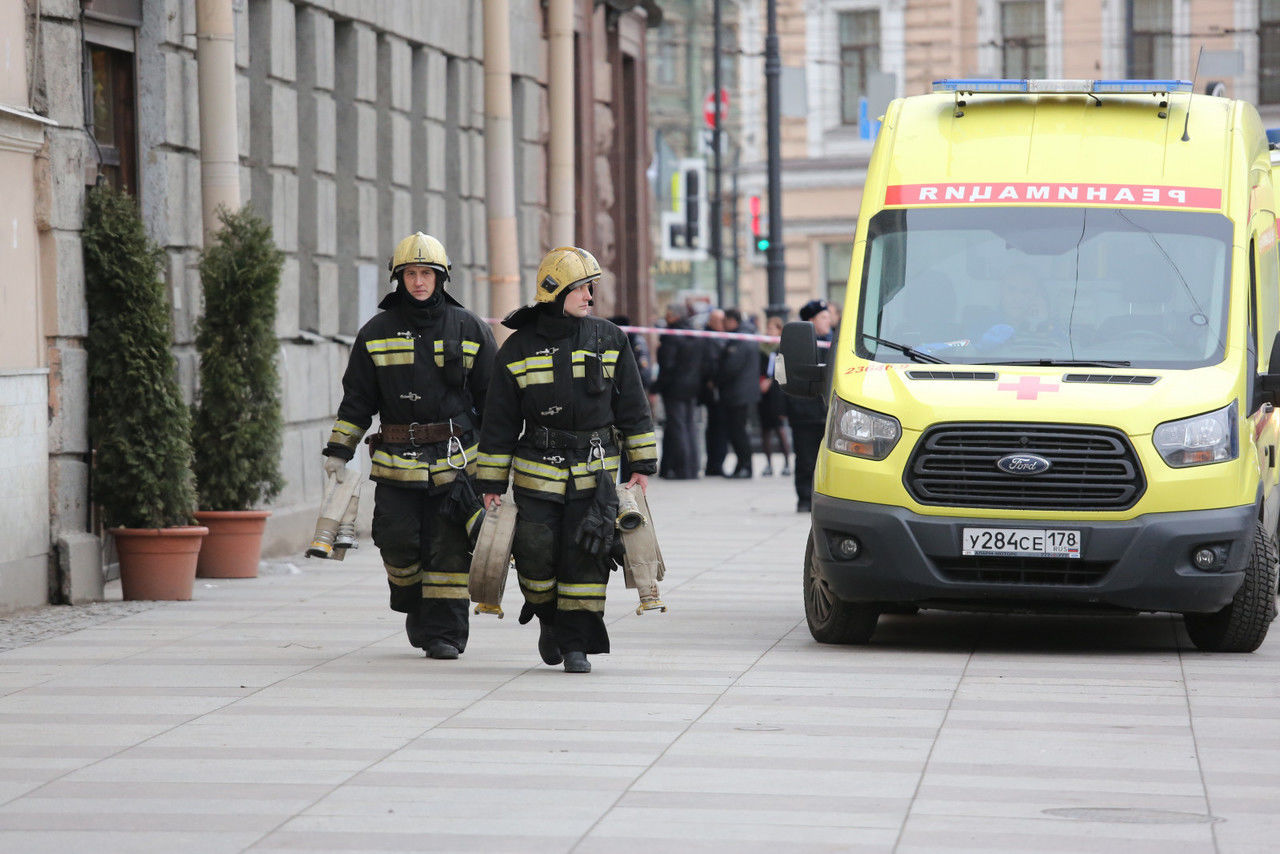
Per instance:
(712,389)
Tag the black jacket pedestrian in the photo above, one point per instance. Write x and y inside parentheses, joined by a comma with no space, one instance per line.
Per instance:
(738,373)
(681,368)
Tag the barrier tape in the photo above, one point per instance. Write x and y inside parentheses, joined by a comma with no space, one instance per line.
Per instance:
(698,333)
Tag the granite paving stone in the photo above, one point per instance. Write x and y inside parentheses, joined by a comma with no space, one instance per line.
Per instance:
(287,713)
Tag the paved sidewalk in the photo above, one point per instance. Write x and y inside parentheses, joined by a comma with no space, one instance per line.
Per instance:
(287,713)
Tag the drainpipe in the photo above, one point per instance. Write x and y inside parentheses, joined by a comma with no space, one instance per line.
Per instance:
(499,161)
(219,141)
(560,177)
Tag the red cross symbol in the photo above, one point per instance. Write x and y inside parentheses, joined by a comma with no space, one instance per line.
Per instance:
(1028,387)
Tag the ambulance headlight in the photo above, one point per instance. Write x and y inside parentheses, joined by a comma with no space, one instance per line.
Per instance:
(860,432)
(1198,440)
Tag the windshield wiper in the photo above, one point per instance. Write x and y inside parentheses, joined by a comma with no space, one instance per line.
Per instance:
(1066,363)
(911,352)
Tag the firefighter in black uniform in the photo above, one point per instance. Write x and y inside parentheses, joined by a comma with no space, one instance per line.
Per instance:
(565,403)
(423,365)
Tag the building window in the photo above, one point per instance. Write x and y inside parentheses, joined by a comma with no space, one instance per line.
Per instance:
(836,260)
(1269,51)
(1152,39)
(668,58)
(859,56)
(114,111)
(1022,34)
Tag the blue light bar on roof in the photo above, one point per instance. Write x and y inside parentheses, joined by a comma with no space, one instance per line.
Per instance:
(995,85)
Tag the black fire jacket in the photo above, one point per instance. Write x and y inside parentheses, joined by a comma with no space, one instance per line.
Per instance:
(408,365)
(555,383)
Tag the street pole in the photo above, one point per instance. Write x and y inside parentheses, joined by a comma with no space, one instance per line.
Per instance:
(772,71)
(733,229)
(716,229)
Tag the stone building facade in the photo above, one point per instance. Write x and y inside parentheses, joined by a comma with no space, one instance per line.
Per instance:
(359,121)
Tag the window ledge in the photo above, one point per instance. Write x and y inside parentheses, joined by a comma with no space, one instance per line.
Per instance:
(21,113)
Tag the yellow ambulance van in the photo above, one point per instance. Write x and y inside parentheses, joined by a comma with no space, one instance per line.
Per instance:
(1051,390)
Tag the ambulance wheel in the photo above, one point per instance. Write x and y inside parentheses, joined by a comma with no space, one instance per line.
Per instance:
(1242,625)
(832,619)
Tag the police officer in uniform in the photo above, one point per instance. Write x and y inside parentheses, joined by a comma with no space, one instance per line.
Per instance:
(565,404)
(422,364)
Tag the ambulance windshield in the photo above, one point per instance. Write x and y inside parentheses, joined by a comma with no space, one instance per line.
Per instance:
(1043,285)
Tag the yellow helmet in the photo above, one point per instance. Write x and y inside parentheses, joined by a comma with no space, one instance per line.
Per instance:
(563,269)
(419,248)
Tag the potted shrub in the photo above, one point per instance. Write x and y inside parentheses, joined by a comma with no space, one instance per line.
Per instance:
(237,422)
(139,423)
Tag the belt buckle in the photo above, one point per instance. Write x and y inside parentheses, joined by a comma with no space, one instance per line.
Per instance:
(413,440)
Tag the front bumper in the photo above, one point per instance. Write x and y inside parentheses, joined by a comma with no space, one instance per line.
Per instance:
(1140,564)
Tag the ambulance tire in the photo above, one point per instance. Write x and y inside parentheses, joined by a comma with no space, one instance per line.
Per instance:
(1242,625)
(830,618)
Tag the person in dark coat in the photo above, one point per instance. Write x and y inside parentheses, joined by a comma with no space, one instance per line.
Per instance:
(808,416)
(738,382)
(715,435)
(565,404)
(771,408)
(680,372)
(423,365)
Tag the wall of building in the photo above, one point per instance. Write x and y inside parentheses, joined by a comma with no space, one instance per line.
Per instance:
(359,122)
(24,428)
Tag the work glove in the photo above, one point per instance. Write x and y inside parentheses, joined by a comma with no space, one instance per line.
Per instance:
(595,534)
(335,467)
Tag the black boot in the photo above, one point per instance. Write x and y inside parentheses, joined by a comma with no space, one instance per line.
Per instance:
(576,662)
(437,648)
(547,646)
(415,630)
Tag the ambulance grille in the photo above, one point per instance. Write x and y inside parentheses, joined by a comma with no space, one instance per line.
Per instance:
(1111,379)
(953,375)
(1091,468)
(1051,571)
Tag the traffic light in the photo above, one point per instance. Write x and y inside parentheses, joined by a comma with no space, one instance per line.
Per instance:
(759,231)
(684,227)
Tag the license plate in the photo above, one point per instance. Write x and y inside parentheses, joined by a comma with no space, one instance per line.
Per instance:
(1020,542)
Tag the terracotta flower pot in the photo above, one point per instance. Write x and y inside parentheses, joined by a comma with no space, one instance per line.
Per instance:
(234,543)
(158,563)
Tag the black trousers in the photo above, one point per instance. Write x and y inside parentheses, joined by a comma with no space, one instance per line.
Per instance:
(807,439)
(562,584)
(717,437)
(735,425)
(679,439)
(427,560)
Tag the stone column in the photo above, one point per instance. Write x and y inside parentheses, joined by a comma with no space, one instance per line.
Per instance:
(219,160)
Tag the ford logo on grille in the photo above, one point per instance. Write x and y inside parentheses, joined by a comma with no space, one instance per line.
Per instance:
(1023,465)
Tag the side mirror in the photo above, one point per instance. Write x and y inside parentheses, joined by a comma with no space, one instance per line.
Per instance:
(799,370)
(1269,383)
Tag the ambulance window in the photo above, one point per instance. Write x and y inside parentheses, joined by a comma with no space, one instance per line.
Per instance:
(1025,284)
